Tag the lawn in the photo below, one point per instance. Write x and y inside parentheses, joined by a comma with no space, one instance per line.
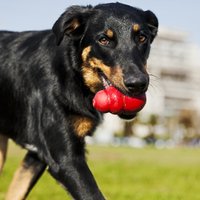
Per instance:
(126,174)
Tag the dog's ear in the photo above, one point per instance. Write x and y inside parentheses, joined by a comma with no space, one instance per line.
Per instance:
(72,22)
(152,23)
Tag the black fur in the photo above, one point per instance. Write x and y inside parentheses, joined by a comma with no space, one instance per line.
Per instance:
(42,88)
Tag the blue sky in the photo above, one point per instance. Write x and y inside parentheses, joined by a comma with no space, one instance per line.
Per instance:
(21,15)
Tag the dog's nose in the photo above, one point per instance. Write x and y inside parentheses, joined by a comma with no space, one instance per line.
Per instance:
(136,85)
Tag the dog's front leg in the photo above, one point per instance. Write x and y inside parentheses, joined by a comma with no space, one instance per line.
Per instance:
(25,177)
(76,177)
(3,150)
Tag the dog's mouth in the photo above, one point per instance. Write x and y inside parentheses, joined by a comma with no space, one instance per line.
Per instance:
(106,82)
(115,100)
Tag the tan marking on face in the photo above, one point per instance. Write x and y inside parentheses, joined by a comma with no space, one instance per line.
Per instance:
(89,70)
(136,27)
(109,33)
(96,63)
(85,53)
(82,125)
(117,77)
(90,74)
(91,78)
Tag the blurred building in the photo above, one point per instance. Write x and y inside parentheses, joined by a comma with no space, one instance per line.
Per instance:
(175,74)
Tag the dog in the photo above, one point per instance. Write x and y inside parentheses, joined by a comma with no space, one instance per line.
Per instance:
(48,80)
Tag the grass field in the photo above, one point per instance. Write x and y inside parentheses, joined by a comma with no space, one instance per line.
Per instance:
(126,174)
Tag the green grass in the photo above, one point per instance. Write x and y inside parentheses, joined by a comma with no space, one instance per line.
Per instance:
(126,174)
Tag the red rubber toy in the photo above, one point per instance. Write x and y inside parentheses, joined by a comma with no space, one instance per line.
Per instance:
(113,101)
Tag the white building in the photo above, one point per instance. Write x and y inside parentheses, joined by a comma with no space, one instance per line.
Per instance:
(175,74)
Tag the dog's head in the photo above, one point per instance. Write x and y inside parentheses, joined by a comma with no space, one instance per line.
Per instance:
(113,43)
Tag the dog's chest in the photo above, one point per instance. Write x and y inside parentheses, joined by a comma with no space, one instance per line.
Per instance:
(82,126)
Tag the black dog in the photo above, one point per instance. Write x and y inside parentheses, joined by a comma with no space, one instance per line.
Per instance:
(49,78)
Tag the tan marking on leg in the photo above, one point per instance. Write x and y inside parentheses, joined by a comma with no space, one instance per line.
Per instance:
(82,125)
(25,178)
(3,150)
(20,183)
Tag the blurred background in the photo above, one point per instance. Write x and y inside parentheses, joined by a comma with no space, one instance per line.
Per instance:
(170,119)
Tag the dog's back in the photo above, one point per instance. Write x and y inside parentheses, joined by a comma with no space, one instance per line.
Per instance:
(23,69)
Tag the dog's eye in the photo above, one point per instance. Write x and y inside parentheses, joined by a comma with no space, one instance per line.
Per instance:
(104,41)
(142,39)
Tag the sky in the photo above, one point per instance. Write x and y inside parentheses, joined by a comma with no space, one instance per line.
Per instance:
(19,15)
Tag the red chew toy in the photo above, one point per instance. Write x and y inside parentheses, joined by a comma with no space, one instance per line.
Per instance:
(112,100)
